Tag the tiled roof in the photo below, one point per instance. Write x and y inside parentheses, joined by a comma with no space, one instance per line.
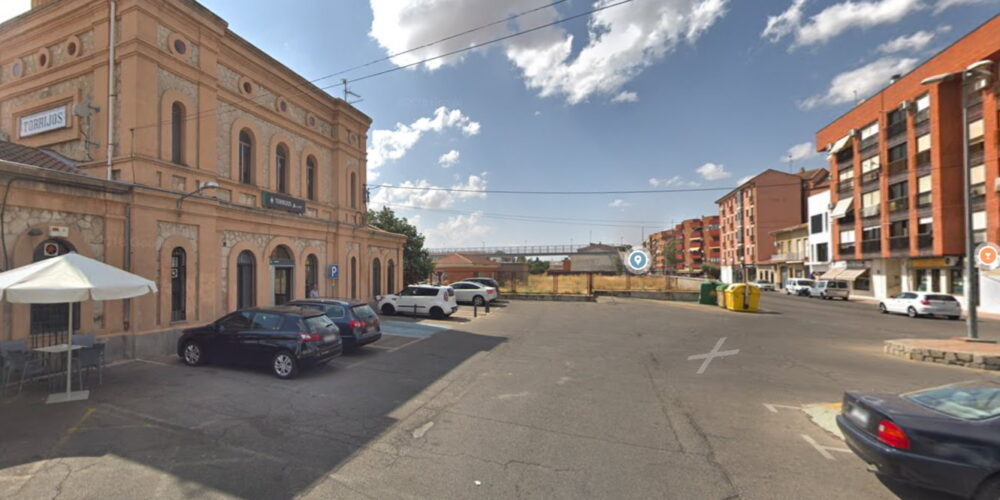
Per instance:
(37,157)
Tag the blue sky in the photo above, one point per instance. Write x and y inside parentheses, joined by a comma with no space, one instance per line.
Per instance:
(649,94)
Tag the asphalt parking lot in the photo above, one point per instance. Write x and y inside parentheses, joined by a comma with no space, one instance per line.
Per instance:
(536,400)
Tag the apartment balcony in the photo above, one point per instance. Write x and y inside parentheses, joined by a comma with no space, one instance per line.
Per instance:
(869,177)
(895,129)
(924,160)
(871,142)
(696,236)
(925,241)
(978,193)
(924,200)
(899,243)
(897,168)
(846,250)
(899,204)
(871,246)
(872,211)
(789,257)
(846,188)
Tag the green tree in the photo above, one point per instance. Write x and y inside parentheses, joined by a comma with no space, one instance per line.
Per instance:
(417,263)
(669,253)
(537,266)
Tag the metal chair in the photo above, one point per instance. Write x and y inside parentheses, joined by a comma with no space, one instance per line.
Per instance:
(14,345)
(88,359)
(24,362)
(86,340)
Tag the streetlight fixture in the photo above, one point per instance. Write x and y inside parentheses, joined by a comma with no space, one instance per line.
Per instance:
(201,187)
(979,70)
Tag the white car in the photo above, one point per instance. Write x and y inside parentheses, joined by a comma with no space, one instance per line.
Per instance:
(765,286)
(798,286)
(437,302)
(915,304)
(476,293)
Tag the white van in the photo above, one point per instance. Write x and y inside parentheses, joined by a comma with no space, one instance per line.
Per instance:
(831,289)
(798,286)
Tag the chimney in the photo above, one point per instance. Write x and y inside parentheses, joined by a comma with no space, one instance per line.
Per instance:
(895,78)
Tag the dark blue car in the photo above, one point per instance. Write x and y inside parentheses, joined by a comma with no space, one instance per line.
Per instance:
(359,324)
(945,439)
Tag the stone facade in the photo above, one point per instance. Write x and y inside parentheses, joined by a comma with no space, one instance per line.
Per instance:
(946,353)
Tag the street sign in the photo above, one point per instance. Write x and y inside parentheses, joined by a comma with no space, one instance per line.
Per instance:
(334,271)
(638,261)
(988,256)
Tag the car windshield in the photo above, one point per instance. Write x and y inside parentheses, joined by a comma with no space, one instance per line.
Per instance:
(967,401)
(806,283)
(364,312)
(945,298)
(319,324)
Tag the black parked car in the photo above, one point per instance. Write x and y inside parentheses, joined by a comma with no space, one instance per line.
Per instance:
(285,338)
(945,439)
(359,324)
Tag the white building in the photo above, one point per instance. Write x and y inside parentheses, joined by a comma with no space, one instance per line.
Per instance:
(818,213)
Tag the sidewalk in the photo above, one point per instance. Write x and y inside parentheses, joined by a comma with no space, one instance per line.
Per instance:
(873,300)
(983,356)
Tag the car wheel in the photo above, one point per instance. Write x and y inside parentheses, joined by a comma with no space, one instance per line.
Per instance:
(192,354)
(478,300)
(882,309)
(989,490)
(284,365)
(911,312)
(437,313)
(954,318)
(388,310)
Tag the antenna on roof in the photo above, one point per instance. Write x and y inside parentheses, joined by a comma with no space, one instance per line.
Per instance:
(348,94)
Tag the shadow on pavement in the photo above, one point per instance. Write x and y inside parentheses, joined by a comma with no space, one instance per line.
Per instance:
(160,428)
(909,492)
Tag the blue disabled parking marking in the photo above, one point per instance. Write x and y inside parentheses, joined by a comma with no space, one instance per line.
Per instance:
(407,329)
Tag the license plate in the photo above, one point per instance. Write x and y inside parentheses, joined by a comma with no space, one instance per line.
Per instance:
(329,338)
(858,415)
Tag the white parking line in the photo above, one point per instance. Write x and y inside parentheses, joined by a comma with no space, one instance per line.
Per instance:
(824,450)
(774,407)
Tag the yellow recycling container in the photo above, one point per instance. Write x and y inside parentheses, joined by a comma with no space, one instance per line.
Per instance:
(742,298)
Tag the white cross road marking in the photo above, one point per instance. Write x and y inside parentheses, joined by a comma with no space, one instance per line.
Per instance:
(774,408)
(715,353)
(824,450)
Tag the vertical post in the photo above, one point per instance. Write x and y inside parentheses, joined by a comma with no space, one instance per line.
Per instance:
(555,284)
(69,353)
(628,280)
(971,288)
(590,283)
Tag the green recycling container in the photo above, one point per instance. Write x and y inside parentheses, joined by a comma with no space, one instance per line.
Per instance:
(707,295)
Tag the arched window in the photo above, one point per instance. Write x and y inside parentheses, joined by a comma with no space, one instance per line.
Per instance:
(390,277)
(354,190)
(281,168)
(246,157)
(376,278)
(178,285)
(52,319)
(246,280)
(311,178)
(177,132)
(354,277)
(312,270)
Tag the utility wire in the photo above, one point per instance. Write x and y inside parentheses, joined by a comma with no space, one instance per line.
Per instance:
(527,217)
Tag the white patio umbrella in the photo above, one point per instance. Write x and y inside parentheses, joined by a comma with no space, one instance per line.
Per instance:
(67,279)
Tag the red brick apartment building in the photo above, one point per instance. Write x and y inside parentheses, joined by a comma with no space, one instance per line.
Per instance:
(695,244)
(897,183)
(750,213)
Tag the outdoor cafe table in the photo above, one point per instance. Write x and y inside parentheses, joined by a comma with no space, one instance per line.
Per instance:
(56,349)
(58,366)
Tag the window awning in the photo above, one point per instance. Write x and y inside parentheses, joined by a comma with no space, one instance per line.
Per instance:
(851,274)
(840,144)
(832,273)
(842,207)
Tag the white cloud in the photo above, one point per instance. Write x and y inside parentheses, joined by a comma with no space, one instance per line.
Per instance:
(458,231)
(802,151)
(672,181)
(945,4)
(13,8)
(713,172)
(423,194)
(836,19)
(911,43)
(392,144)
(619,204)
(621,41)
(538,113)
(860,82)
(625,96)
(448,159)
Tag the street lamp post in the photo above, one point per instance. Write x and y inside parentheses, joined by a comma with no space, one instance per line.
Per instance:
(975,71)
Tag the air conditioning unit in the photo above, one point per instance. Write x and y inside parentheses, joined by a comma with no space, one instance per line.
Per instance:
(905,105)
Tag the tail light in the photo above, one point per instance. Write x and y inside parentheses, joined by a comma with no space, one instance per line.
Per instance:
(310,337)
(890,434)
(489,292)
(925,302)
(356,324)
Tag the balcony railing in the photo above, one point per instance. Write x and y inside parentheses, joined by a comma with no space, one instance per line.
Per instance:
(925,240)
(846,249)
(899,204)
(871,211)
(846,187)
(788,257)
(924,200)
(871,246)
(895,129)
(899,243)
(869,177)
(924,159)
(978,191)
(897,167)
(869,142)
